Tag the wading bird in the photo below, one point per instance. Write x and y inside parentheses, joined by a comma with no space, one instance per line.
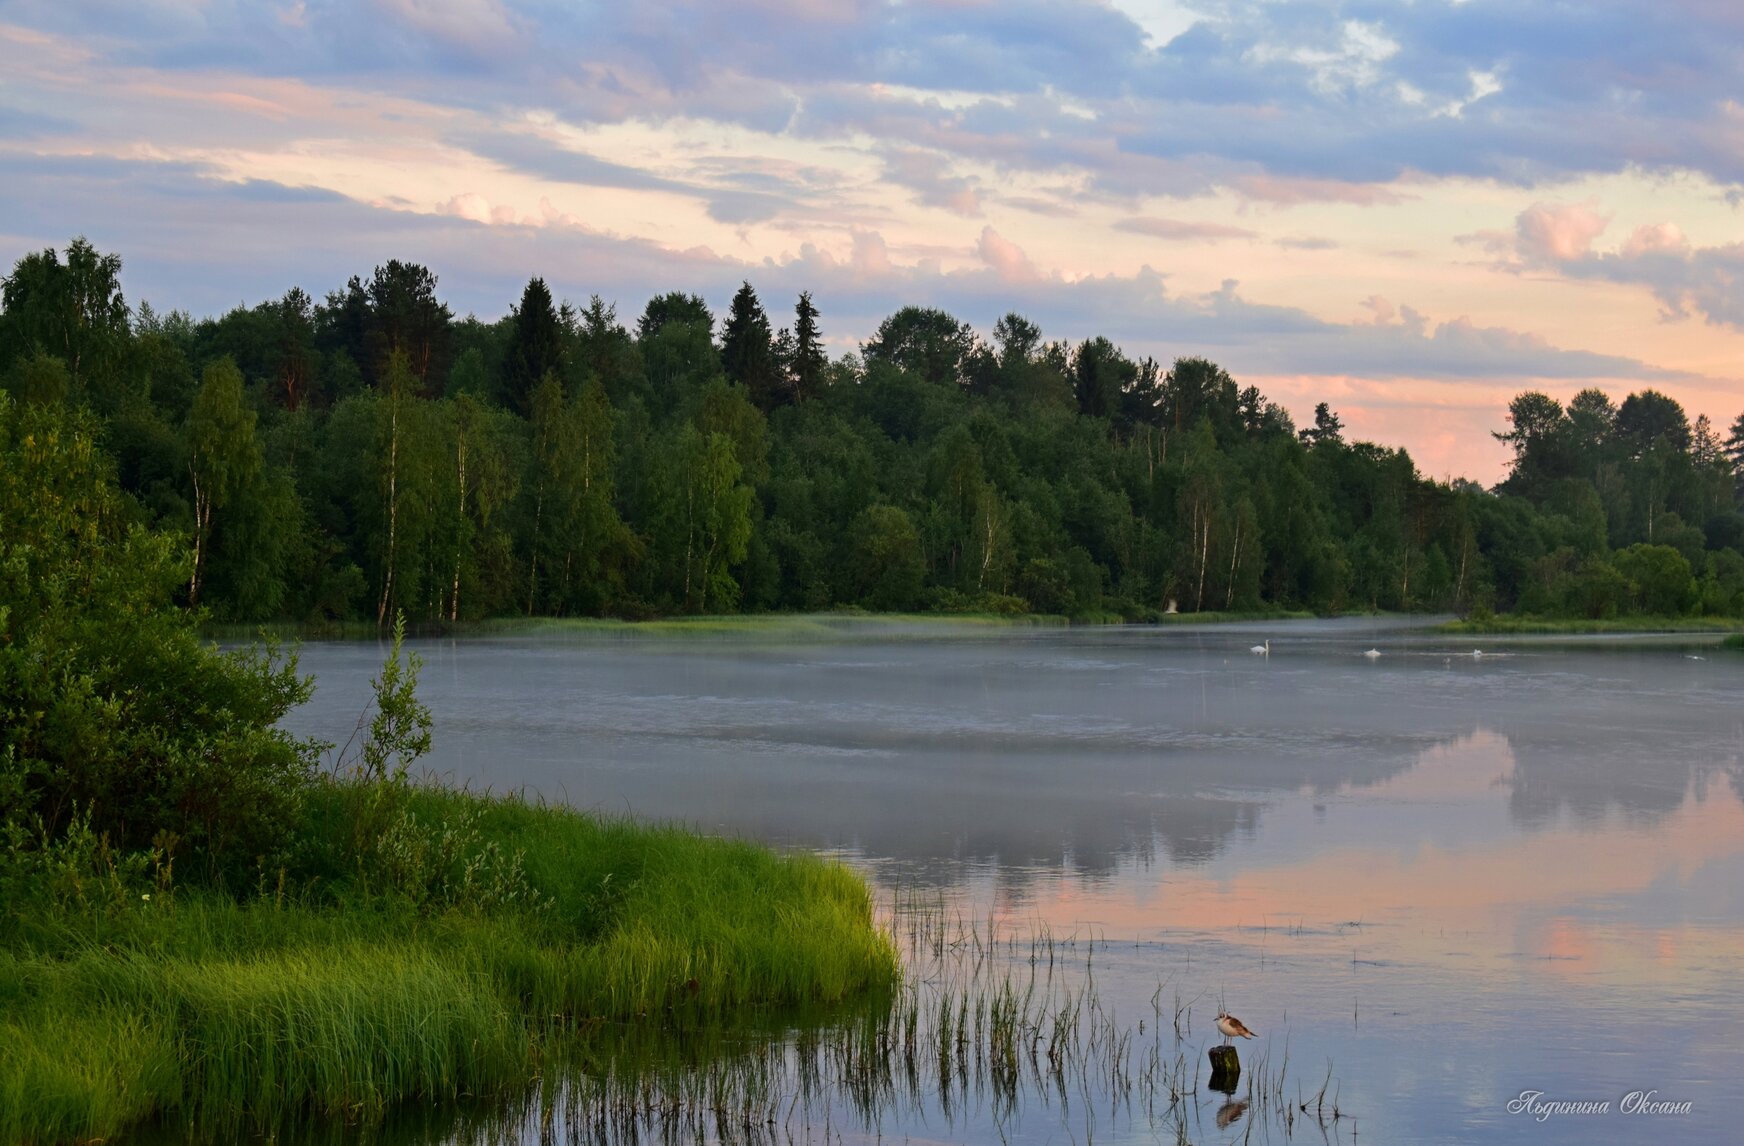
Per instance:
(1232,1027)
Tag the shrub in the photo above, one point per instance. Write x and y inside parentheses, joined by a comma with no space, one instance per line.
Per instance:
(1659,578)
(111,707)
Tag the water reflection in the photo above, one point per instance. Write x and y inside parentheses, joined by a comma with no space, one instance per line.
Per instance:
(1454,877)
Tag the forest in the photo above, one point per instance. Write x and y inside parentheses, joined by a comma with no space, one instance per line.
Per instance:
(366,453)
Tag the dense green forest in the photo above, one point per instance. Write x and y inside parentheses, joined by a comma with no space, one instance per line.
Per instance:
(367,452)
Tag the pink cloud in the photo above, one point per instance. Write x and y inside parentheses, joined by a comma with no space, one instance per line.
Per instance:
(471,206)
(1382,311)
(1656,238)
(1557,233)
(870,256)
(1181,230)
(1287,191)
(1005,257)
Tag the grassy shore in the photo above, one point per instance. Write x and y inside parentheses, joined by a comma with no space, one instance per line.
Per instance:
(1575,625)
(753,626)
(769,626)
(125,998)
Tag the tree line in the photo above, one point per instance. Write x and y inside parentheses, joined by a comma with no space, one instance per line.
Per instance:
(368,452)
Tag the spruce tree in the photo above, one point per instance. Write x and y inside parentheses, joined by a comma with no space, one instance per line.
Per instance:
(747,351)
(535,345)
(807,370)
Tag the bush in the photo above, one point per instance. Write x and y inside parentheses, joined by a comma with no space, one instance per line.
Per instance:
(112,711)
(1659,579)
(887,566)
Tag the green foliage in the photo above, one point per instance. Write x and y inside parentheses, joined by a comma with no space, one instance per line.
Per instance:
(748,351)
(72,310)
(325,464)
(927,343)
(807,363)
(111,708)
(223,456)
(39,378)
(1659,579)
(535,344)
(886,565)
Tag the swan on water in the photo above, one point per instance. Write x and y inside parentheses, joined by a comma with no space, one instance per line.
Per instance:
(1264,650)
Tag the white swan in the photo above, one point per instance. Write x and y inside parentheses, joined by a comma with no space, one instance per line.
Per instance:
(1373,654)
(1264,650)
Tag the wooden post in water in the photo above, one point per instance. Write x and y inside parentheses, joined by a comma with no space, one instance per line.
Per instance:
(1225,1069)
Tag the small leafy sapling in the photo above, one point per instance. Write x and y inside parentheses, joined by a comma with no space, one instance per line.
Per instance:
(399,734)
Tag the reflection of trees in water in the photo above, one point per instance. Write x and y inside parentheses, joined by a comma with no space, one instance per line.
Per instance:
(1088,808)
(1033,809)
(1077,754)
(1640,774)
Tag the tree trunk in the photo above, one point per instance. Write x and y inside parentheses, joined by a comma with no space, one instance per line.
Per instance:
(202,522)
(459,527)
(381,613)
(533,561)
(1234,558)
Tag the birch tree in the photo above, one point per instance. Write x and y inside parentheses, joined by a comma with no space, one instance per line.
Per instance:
(223,456)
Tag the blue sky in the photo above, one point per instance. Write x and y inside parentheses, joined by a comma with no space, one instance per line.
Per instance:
(1411,210)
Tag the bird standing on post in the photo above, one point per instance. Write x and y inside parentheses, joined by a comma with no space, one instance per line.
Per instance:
(1232,1027)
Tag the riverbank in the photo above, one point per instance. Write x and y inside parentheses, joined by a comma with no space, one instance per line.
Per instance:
(761,626)
(496,928)
(1529,625)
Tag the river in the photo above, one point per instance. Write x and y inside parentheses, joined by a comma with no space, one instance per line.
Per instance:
(1450,877)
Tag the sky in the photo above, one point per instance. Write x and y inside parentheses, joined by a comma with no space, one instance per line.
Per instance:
(1410,210)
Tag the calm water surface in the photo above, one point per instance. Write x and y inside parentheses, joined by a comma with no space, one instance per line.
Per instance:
(1453,878)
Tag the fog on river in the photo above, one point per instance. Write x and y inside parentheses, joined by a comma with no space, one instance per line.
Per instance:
(1456,875)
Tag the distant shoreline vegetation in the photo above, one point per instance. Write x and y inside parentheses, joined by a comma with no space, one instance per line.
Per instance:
(340,459)
(1551,626)
(772,626)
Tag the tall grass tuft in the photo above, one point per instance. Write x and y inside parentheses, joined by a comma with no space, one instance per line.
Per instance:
(344,1001)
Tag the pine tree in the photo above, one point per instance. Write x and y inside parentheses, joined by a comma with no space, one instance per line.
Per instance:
(748,353)
(1734,448)
(535,344)
(807,368)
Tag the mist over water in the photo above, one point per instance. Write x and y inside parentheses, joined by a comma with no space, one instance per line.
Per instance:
(1454,878)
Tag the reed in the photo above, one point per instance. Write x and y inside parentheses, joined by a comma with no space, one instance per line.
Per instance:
(342,1000)
(991,1037)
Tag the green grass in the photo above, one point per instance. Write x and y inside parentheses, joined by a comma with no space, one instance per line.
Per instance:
(343,1001)
(772,626)
(1233,616)
(1574,625)
(755,626)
